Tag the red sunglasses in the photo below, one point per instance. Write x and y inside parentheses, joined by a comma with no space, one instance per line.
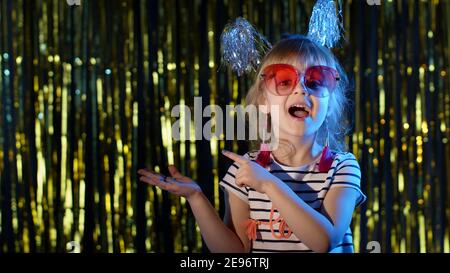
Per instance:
(281,79)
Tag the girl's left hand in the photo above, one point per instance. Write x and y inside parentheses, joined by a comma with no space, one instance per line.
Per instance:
(250,173)
(177,184)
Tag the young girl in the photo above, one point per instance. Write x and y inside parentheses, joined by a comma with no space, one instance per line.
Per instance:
(302,198)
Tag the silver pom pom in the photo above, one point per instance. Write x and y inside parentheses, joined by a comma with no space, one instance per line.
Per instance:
(325,25)
(242,46)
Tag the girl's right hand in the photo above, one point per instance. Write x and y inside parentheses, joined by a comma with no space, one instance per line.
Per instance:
(177,184)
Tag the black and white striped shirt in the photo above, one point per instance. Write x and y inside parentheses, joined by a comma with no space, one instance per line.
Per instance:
(310,185)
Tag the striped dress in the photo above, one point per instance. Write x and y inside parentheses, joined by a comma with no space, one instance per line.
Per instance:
(310,185)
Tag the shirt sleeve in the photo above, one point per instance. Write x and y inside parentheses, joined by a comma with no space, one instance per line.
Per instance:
(228,183)
(348,175)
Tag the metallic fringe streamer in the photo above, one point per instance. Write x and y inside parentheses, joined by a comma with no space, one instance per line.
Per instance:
(86,94)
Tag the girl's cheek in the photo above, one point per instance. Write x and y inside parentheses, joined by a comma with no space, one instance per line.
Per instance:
(276,101)
(270,99)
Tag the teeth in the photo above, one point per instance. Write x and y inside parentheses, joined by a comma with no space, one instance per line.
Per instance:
(301,106)
(298,110)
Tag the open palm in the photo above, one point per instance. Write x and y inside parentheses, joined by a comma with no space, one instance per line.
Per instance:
(177,183)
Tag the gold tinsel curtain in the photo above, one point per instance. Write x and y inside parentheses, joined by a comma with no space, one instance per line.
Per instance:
(86,93)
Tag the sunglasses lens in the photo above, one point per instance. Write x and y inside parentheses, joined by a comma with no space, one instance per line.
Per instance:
(285,81)
(280,78)
(319,80)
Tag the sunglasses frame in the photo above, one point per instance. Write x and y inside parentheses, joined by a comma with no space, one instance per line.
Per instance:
(300,77)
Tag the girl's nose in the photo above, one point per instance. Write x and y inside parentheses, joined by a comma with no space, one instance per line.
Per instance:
(299,89)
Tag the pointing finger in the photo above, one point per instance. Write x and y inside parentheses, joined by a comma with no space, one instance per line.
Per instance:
(235,157)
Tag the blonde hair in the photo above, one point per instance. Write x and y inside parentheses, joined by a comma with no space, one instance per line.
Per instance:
(300,49)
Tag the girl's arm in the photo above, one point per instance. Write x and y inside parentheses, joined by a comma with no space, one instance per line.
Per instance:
(237,212)
(313,228)
(218,236)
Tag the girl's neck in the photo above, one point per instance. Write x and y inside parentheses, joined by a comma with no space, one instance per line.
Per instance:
(295,151)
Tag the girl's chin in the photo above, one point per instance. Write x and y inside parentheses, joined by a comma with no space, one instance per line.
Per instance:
(296,128)
(293,132)
(299,123)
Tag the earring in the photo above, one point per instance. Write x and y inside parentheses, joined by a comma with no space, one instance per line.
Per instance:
(263,157)
(327,156)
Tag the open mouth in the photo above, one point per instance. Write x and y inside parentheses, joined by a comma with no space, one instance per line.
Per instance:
(298,111)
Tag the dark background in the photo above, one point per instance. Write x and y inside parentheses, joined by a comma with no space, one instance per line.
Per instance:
(86,93)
